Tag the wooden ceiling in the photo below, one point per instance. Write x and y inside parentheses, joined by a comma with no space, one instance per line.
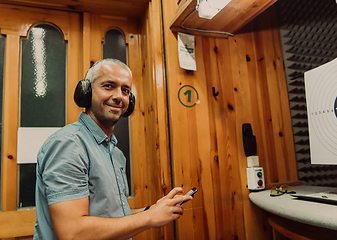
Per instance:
(123,8)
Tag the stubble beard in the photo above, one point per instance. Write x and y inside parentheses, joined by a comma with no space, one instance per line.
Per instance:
(108,120)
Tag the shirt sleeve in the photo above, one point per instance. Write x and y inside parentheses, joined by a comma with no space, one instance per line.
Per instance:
(64,170)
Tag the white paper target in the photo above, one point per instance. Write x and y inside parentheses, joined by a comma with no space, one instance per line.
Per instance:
(321,97)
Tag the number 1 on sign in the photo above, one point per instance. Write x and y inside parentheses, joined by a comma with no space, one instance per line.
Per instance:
(188,92)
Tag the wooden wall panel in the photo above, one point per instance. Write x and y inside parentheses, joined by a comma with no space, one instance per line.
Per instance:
(74,54)
(206,140)
(242,55)
(228,192)
(141,159)
(154,111)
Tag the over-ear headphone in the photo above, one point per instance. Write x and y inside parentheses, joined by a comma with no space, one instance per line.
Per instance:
(83,98)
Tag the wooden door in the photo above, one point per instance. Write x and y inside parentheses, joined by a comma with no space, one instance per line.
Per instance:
(15,25)
(144,180)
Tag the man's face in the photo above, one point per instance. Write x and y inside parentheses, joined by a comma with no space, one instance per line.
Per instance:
(110,95)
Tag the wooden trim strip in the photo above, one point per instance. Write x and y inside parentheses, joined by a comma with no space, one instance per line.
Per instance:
(10,124)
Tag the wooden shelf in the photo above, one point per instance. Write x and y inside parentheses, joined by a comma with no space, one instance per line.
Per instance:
(230,19)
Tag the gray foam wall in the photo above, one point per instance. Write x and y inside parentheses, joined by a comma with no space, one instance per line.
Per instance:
(309,39)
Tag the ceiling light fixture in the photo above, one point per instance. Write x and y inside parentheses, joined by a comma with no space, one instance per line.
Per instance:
(209,8)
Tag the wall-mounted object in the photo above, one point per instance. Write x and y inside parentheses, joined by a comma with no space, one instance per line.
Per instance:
(209,8)
(249,140)
(235,15)
(186,51)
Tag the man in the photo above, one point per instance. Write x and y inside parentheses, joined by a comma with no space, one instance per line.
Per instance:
(81,188)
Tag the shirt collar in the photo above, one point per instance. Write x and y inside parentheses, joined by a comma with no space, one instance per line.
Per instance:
(96,131)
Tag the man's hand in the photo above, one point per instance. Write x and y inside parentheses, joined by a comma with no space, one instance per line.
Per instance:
(167,209)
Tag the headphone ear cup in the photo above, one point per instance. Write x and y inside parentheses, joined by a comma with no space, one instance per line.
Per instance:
(132,103)
(83,98)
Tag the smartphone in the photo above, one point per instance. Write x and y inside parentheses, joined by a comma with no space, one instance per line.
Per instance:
(190,193)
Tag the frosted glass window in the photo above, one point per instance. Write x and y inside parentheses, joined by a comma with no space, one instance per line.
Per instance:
(2,60)
(114,47)
(43,92)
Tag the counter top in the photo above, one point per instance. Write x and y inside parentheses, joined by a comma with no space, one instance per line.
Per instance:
(313,213)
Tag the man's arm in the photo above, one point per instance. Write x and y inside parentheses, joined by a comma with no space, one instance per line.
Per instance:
(136,210)
(71,221)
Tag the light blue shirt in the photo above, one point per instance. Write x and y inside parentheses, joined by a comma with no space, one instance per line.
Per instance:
(80,161)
